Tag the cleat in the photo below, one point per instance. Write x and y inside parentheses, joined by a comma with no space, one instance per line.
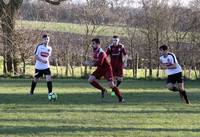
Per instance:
(121,100)
(183,98)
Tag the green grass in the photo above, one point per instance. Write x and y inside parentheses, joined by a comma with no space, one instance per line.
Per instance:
(68,27)
(102,30)
(150,110)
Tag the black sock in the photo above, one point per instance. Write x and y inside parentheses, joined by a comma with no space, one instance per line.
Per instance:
(118,83)
(33,85)
(49,86)
(185,96)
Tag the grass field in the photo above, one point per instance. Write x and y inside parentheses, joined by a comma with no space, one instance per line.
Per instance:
(102,30)
(68,27)
(150,110)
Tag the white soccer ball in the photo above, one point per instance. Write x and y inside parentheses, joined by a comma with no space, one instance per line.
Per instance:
(52,96)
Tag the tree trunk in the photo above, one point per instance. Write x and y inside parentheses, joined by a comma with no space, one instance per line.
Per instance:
(132,60)
(7,23)
(24,66)
(7,27)
(150,62)
(56,67)
(136,64)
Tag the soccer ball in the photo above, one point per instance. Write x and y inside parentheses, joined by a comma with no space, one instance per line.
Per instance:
(52,96)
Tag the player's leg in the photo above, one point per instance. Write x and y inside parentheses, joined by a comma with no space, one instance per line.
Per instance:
(116,90)
(181,87)
(172,87)
(171,83)
(119,81)
(119,75)
(36,77)
(183,92)
(47,73)
(93,81)
(109,76)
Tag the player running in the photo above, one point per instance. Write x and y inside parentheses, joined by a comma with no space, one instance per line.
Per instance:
(169,62)
(42,66)
(118,59)
(103,69)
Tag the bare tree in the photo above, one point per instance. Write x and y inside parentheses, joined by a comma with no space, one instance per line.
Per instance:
(8,10)
(89,16)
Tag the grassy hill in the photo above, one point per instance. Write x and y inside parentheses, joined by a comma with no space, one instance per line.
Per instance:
(81,28)
(67,27)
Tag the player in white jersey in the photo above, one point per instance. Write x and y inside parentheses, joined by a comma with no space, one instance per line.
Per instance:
(42,67)
(169,62)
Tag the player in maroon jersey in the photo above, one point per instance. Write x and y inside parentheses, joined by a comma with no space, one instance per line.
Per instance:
(104,68)
(118,59)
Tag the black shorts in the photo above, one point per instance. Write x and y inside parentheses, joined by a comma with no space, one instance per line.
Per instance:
(40,73)
(175,78)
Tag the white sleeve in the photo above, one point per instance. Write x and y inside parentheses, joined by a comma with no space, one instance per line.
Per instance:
(173,59)
(160,60)
(50,51)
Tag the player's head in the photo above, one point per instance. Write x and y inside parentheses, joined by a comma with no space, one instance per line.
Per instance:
(45,39)
(95,43)
(115,40)
(163,49)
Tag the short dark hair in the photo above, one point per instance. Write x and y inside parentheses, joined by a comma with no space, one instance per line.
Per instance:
(115,36)
(44,36)
(163,47)
(96,40)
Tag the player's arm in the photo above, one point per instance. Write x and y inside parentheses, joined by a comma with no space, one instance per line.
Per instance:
(163,65)
(173,64)
(125,56)
(88,63)
(39,59)
(36,53)
(108,50)
(125,60)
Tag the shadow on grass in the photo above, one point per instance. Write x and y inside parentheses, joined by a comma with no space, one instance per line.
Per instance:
(134,98)
(71,128)
(95,98)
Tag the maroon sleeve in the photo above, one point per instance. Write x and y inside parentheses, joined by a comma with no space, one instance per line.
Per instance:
(108,51)
(124,51)
(100,59)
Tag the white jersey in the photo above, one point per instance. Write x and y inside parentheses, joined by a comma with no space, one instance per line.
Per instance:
(169,60)
(43,52)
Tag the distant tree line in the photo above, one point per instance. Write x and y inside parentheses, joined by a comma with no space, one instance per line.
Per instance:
(145,28)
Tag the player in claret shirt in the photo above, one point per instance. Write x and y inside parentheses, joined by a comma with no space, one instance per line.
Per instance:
(42,67)
(169,62)
(118,59)
(104,68)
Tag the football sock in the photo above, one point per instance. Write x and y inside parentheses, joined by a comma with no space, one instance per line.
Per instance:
(97,85)
(118,83)
(117,92)
(184,96)
(33,85)
(49,86)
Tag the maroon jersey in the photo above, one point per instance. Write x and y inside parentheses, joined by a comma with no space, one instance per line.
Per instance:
(101,58)
(116,54)
(103,66)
